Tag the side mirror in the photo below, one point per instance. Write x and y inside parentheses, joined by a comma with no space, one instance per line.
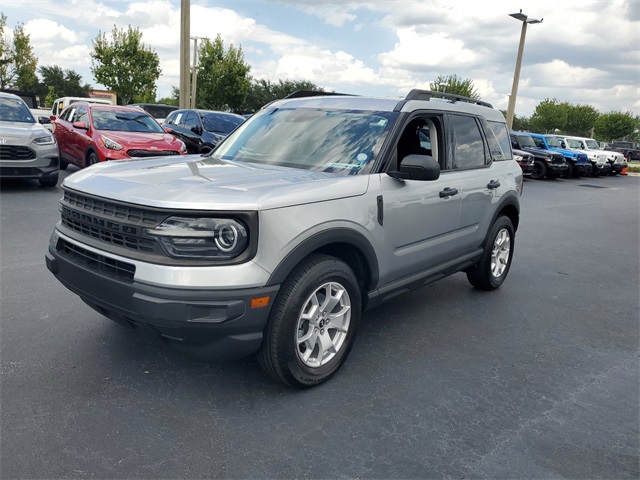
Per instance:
(44,120)
(52,117)
(167,129)
(196,129)
(417,167)
(563,145)
(80,125)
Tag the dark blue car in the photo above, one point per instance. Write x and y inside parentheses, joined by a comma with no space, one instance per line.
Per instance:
(201,130)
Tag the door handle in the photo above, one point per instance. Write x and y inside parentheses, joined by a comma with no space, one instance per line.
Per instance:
(448,192)
(493,184)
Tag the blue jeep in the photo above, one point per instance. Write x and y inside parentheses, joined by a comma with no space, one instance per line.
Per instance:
(579,164)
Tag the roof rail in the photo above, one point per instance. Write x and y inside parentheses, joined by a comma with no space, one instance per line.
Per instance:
(313,93)
(417,94)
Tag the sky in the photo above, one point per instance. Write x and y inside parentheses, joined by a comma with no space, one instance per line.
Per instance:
(584,51)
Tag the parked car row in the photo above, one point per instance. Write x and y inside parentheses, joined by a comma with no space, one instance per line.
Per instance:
(563,156)
(88,131)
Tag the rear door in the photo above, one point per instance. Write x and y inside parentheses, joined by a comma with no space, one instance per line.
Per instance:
(480,182)
(78,138)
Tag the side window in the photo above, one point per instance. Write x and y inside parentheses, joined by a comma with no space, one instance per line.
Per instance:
(81,115)
(469,149)
(191,121)
(171,119)
(67,115)
(538,141)
(499,141)
(422,136)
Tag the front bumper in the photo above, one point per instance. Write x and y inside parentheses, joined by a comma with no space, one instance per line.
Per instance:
(601,168)
(209,324)
(41,167)
(617,167)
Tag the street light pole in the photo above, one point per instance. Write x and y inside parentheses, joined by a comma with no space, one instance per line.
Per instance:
(185,24)
(516,76)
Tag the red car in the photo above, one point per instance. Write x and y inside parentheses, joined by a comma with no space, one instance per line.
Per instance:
(89,133)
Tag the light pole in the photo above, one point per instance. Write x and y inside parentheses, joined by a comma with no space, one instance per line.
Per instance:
(185,23)
(516,76)
(194,74)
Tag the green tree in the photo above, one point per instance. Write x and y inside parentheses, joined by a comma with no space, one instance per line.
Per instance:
(615,125)
(65,83)
(17,61)
(456,85)
(581,120)
(51,97)
(223,76)
(549,115)
(263,91)
(174,99)
(124,64)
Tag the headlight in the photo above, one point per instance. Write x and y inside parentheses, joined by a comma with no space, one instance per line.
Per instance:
(208,238)
(110,144)
(48,140)
(518,158)
(183,147)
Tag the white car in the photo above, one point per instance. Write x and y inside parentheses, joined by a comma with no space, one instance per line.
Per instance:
(615,159)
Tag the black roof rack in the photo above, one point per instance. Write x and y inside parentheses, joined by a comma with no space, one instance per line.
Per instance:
(313,93)
(417,94)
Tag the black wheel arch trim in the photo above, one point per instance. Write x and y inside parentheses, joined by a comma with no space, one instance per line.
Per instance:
(322,239)
(510,200)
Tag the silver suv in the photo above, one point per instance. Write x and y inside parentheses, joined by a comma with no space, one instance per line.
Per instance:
(316,208)
(27,149)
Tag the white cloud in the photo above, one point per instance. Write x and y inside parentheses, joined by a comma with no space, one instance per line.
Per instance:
(43,29)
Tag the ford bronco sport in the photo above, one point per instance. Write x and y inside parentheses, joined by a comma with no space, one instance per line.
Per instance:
(315,208)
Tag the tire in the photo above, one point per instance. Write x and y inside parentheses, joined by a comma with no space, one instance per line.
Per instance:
(92,159)
(539,170)
(49,181)
(568,173)
(489,273)
(63,164)
(294,338)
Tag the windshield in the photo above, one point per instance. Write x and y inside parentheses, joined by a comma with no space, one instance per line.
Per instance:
(123,121)
(14,110)
(573,143)
(220,122)
(526,141)
(338,141)
(592,144)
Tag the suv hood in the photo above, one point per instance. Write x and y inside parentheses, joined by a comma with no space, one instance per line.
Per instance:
(540,152)
(20,133)
(196,182)
(143,140)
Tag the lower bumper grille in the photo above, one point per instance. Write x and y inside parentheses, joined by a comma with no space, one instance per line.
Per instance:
(16,152)
(105,265)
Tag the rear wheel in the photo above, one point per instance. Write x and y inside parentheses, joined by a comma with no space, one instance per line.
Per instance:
(313,323)
(539,170)
(493,267)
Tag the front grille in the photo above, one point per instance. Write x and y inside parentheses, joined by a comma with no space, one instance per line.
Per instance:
(15,152)
(99,263)
(118,225)
(151,153)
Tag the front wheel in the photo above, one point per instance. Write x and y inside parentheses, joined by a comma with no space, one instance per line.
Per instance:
(493,267)
(568,173)
(539,170)
(92,159)
(313,323)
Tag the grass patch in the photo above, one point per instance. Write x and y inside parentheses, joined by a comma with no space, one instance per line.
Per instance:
(633,167)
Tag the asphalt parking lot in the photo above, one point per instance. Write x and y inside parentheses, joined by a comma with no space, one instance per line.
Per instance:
(539,379)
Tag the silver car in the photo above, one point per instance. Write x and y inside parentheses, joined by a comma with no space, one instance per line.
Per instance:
(311,211)
(27,149)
